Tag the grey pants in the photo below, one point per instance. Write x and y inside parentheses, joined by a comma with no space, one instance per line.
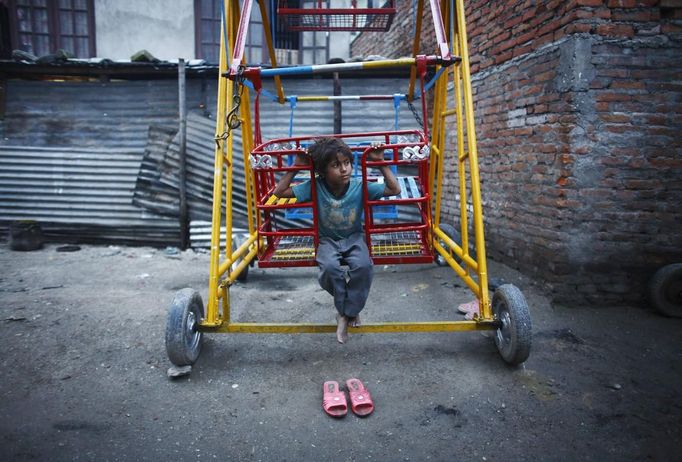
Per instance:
(349,288)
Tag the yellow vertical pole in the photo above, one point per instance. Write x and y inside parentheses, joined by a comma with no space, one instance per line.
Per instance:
(473,161)
(226,303)
(229,173)
(415,48)
(247,131)
(438,142)
(224,94)
(461,155)
(440,106)
(247,147)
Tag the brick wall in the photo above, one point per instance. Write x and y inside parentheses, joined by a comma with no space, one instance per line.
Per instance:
(579,109)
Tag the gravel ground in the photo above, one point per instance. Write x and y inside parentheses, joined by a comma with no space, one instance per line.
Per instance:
(84,370)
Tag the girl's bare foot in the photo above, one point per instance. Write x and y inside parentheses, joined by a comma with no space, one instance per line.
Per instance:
(341,328)
(354,321)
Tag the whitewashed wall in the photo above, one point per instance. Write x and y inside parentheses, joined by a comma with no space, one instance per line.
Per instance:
(165,28)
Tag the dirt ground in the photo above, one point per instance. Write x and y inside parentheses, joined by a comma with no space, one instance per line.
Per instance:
(84,371)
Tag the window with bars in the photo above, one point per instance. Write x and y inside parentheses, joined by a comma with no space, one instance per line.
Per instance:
(207,29)
(41,27)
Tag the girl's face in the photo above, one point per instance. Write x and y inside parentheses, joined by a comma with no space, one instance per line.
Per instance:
(338,171)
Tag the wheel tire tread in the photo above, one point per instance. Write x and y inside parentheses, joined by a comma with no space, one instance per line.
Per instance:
(656,290)
(522,329)
(178,353)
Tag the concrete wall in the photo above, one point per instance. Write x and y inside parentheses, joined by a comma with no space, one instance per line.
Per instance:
(578,109)
(162,27)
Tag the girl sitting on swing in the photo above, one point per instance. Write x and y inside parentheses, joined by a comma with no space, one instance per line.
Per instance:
(339,208)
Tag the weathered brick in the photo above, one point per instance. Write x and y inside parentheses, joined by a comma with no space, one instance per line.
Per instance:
(615,30)
(622,3)
(600,166)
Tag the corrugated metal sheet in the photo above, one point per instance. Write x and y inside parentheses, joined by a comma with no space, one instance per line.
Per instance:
(79,190)
(149,192)
(157,187)
(115,114)
(86,142)
(318,117)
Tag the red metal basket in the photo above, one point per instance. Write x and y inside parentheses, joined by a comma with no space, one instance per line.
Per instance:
(321,18)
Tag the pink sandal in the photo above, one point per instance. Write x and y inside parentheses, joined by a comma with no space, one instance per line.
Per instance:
(360,400)
(469,309)
(333,400)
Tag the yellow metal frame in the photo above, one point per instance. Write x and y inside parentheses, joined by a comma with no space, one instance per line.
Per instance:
(472,272)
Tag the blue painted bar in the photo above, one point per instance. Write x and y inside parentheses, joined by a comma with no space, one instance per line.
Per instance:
(287,71)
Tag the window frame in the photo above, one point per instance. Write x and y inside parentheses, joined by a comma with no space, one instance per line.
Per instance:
(251,51)
(53,27)
(198,51)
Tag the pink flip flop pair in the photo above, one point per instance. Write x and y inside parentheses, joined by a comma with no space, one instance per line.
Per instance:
(334,400)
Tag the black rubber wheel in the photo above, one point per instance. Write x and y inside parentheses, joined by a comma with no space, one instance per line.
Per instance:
(183,338)
(237,241)
(514,337)
(665,290)
(452,234)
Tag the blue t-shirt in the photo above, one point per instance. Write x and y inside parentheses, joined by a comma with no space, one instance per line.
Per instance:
(338,217)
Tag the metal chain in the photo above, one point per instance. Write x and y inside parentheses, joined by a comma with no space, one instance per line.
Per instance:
(416,114)
(232,121)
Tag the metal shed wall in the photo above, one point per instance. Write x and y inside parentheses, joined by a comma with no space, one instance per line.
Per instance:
(79,194)
(73,150)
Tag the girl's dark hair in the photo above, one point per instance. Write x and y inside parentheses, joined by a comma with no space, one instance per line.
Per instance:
(324,150)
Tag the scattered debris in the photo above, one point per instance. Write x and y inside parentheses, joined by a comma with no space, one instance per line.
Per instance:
(15,318)
(143,56)
(565,335)
(113,250)
(68,248)
(171,251)
(21,289)
(178,371)
(25,235)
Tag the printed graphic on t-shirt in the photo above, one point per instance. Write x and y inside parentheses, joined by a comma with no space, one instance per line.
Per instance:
(338,217)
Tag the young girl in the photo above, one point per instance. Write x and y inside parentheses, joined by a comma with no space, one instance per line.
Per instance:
(340,207)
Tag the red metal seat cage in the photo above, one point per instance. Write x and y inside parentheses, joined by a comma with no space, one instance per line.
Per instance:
(389,243)
(322,18)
